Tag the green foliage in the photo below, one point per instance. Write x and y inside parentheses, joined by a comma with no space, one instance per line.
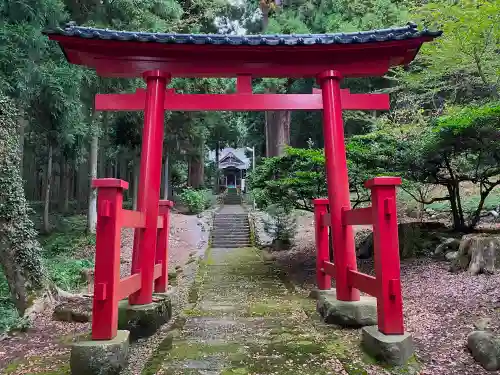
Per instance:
(19,249)
(67,273)
(280,225)
(291,180)
(196,200)
(296,178)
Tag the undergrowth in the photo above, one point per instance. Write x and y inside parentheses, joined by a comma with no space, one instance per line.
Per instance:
(67,250)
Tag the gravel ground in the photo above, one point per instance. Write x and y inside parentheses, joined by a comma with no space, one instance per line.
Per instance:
(46,342)
(440,307)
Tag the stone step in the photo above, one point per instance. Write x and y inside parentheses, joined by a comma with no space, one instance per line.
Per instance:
(241,232)
(228,225)
(230,244)
(231,238)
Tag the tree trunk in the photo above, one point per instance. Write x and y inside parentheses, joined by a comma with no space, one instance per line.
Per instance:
(217,170)
(137,164)
(166,181)
(277,132)
(92,210)
(196,171)
(22,127)
(48,178)
(15,280)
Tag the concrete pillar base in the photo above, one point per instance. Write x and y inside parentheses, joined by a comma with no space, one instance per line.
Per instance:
(100,357)
(348,313)
(144,320)
(394,350)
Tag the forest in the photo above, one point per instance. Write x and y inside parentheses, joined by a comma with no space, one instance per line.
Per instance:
(442,134)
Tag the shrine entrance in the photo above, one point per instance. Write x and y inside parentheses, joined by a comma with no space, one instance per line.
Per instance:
(160,57)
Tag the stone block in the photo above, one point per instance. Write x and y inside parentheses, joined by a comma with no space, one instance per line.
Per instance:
(348,313)
(144,320)
(100,357)
(394,350)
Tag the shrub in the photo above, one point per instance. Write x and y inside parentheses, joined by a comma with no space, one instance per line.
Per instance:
(196,200)
(280,226)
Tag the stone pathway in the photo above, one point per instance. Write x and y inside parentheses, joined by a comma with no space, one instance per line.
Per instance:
(246,320)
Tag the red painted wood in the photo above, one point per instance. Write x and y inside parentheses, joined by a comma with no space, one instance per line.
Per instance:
(109,182)
(363,282)
(359,216)
(329,268)
(159,223)
(157,271)
(130,59)
(338,184)
(386,256)
(239,102)
(383,181)
(244,84)
(322,251)
(161,284)
(133,219)
(129,285)
(326,220)
(149,185)
(107,260)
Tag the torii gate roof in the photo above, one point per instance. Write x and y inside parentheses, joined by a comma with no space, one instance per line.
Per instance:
(129,54)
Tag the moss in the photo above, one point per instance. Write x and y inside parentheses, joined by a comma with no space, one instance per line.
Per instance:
(43,366)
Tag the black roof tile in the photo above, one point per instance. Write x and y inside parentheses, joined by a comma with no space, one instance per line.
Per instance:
(400,33)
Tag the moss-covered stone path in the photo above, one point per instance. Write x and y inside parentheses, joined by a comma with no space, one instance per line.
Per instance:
(245,321)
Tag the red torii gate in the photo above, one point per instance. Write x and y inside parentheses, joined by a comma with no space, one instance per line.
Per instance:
(158,58)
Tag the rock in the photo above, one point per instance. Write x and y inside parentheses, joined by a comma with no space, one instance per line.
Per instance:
(100,357)
(76,310)
(449,244)
(394,350)
(485,348)
(144,320)
(415,238)
(482,324)
(348,313)
(451,255)
(477,253)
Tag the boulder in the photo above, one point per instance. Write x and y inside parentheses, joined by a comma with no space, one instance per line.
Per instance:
(477,253)
(448,245)
(485,348)
(77,310)
(414,238)
(347,313)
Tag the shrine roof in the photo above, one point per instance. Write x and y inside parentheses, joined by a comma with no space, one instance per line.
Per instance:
(129,54)
(383,35)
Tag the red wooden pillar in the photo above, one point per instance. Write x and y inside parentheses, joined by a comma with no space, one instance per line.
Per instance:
(149,184)
(107,257)
(161,284)
(324,281)
(338,183)
(386,254)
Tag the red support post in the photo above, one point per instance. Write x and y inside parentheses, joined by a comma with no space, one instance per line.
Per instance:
(148,196)
(338,184)
(161,284)
(386,254)
(107,258)
(323,280)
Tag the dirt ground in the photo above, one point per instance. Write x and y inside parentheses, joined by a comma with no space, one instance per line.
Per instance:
(440,307)
(45,345)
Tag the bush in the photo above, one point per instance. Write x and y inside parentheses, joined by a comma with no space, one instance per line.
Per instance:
(280,226)
(67,274)
(196,200)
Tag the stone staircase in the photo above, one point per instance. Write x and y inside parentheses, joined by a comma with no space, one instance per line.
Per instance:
(232,197)
(231,228)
